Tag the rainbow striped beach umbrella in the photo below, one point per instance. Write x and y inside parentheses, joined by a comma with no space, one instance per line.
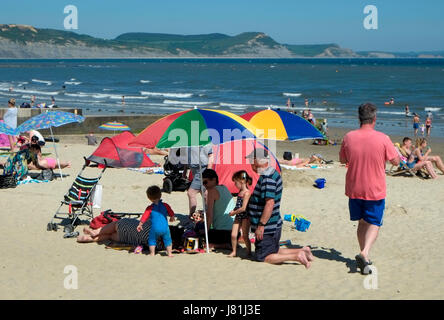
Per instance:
(282,125)
(195,128)
(115,126)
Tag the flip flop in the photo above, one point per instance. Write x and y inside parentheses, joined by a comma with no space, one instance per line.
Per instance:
(363,265)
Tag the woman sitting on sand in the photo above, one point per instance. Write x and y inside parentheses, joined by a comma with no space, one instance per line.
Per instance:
(40,163)
(220,203)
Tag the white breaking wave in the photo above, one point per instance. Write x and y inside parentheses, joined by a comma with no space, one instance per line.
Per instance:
(392,112)
(46,93)
(74,83)
(42,81)
(268,106)
(103,96)
(200,103)
(432,109)
(288,94)
(234,105)
(128,97)
(145,81)
(166,95)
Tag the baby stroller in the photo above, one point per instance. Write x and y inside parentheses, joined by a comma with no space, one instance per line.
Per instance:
(174,180)
(79,201)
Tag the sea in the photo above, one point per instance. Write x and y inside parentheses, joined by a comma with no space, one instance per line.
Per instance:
(334,88)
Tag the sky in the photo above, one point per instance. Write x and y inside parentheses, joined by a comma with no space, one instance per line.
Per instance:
(403,25)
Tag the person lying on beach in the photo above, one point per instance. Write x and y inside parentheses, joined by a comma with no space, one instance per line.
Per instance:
(156,151)
(157,213)
(413,162)
(421,144)
(40,163)
(303,162)
(123,231)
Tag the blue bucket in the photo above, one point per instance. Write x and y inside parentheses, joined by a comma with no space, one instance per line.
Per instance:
(320,183)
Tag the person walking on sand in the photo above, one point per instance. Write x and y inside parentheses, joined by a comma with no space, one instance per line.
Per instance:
(265,217)
(366,151)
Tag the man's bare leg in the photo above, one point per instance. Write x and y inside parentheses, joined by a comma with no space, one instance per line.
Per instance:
(192,194)
(299,256)
(368,236)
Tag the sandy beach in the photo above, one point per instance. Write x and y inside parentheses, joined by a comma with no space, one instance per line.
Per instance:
(407,254)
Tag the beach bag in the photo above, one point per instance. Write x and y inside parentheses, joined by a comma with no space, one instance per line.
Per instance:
(103,219)
(287,155)
(8,181)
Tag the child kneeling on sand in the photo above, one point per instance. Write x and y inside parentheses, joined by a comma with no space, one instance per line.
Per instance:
(157,212)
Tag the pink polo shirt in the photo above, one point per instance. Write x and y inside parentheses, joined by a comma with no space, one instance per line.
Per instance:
(366,152)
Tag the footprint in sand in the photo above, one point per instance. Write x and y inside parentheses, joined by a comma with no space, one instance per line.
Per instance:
(397,210)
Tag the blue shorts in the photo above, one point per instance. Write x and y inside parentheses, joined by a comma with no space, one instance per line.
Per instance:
(155,234)
(368,210)
(416,125)
(411,164)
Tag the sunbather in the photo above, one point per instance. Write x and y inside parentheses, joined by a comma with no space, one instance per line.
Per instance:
(413,162)
(421,144)
(302,162)
(122,231)
(44,163)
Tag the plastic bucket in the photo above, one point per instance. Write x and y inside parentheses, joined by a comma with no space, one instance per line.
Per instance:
(320,183)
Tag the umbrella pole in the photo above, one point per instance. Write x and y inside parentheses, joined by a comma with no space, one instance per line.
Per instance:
(204,205)
(57,156)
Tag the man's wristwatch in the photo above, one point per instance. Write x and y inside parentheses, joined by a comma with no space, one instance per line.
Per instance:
(261,224)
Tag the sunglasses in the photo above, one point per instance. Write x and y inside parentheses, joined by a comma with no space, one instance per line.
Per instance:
(205,182)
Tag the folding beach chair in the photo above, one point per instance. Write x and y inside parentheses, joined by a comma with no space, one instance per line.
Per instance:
(79,202)
(403,167)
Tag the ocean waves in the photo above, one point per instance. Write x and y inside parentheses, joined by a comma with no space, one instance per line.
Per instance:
(166,94)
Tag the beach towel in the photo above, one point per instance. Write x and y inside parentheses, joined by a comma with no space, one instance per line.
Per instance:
(158,170)
(30,180)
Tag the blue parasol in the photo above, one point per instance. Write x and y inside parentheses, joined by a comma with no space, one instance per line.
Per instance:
(47,120)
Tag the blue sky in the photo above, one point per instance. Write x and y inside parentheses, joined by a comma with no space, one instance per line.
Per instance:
(404,25)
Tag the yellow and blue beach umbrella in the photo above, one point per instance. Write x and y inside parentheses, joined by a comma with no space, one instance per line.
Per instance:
(115,126)
(282,125)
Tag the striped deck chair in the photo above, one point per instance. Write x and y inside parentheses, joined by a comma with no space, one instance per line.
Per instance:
(79,202)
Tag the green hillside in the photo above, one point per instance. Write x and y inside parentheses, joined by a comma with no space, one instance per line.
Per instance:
(310,50)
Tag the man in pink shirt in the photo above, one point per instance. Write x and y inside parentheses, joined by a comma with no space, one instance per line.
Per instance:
(366,151)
